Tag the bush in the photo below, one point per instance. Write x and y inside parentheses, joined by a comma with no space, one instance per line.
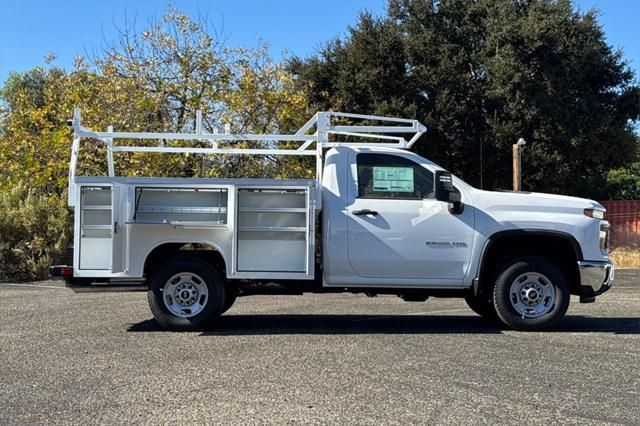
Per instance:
(624,183)
(35,231)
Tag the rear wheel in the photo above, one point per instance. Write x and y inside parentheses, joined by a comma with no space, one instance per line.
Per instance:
(185,294)
(230,297)
(531,294)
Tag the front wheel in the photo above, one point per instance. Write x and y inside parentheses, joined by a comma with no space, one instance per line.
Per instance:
(185,294)
(483,306)
(531,293)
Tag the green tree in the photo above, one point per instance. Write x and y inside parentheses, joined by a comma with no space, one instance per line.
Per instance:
(481,74)
(34,232)
(623,183)
(179,65)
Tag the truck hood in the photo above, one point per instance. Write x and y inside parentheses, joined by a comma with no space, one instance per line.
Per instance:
(531,202)
(505,211)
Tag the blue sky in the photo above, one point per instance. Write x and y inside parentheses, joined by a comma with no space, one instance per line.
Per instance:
(29,29)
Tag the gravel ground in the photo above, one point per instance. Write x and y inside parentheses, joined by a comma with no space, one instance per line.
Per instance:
(99,358)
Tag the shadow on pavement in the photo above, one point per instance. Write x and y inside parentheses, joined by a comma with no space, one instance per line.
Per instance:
(617,325)
(259,324)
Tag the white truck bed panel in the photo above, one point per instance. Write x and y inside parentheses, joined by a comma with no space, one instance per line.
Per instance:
(271,251)
(95,253)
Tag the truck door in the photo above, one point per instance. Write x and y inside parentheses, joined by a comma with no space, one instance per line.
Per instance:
(397,229)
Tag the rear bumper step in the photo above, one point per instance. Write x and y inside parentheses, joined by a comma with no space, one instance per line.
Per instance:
(106,287)
(94,285)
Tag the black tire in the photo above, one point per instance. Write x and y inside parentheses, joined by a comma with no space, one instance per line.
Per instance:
(483,306)
(230,296)
(502,297)
(211,309)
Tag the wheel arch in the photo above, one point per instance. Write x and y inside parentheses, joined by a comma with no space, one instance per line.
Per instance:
(566,252)
(204,250)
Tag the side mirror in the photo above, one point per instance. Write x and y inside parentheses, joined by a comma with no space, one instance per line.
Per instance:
(445,191)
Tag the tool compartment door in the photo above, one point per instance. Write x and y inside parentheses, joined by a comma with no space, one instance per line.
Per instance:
(96,227)
(274,231)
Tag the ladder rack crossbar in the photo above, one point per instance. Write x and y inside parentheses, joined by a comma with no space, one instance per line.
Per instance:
(374,117)
(399,139)
(193,136)
(188,150)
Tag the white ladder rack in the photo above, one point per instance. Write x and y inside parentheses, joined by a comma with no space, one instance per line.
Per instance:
(313,137)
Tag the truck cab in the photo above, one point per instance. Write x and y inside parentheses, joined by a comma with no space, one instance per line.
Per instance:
(379,219)
(385,225)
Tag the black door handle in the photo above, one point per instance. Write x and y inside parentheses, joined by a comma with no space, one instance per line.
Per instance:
(365,212)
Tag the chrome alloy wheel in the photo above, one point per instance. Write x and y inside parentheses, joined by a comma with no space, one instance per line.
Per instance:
(532,295)
(185,294)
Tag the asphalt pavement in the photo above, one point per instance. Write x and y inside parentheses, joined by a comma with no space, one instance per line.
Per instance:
(99,358)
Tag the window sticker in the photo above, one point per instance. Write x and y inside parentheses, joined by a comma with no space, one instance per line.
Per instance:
(393,179)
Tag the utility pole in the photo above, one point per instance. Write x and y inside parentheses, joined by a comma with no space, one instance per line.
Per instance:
(517,164)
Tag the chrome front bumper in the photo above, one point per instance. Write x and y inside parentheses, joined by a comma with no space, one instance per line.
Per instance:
(595,277)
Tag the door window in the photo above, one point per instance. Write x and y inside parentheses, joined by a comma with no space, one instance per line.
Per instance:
(391,176)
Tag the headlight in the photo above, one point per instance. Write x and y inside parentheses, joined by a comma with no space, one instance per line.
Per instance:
(596,213)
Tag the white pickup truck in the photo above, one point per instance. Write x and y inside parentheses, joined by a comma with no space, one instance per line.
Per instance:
(378,219)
